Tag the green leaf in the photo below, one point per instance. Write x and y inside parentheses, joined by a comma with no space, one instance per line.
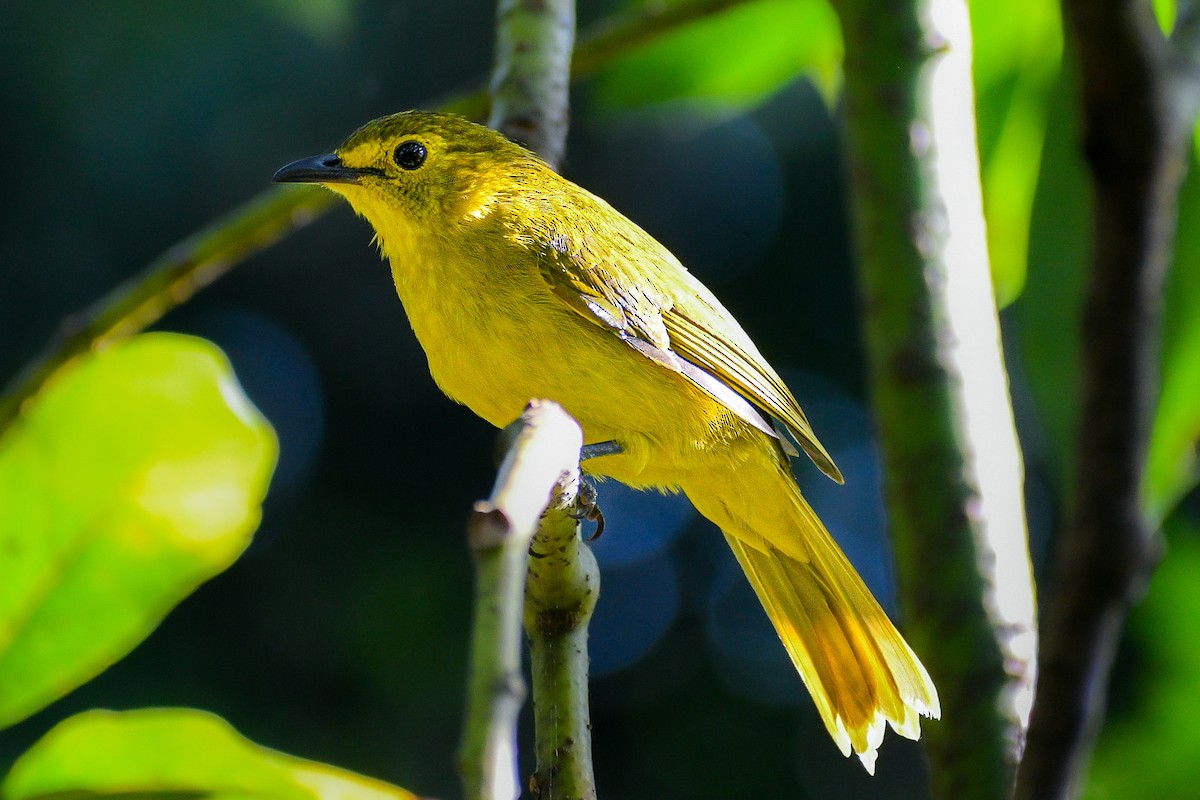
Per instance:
(1150,749)
(734,59)
(133,478)
(1172,468)
(1166,12)
(154,752)
(1018,52)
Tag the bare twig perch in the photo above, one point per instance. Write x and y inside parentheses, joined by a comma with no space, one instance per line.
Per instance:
(541,464)
(564,583)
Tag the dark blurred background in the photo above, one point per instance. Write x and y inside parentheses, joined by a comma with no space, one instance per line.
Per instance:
(341,634)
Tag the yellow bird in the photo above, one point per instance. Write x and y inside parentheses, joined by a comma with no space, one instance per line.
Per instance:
(520,284)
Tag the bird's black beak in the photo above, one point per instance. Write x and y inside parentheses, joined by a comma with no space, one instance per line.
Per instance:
(317,169)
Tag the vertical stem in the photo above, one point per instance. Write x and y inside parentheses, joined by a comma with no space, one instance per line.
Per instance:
(532,72)
(1136,127)
(561,592)
(952,463)
(495,692)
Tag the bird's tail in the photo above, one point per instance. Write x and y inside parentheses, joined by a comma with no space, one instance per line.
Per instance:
(856,665)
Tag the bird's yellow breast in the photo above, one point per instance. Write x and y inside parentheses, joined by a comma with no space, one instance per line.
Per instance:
(496,337)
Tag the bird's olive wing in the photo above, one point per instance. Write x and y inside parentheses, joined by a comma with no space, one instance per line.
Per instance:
(660,310)
(635,316)
(725,350)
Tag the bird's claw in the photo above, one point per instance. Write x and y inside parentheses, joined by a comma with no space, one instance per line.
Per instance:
(587,506)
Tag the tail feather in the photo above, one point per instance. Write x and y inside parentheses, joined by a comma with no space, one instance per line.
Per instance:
(823,670)
(857,667)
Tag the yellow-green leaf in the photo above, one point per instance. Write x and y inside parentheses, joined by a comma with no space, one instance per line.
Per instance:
(1166,12)
(1172,468)
(134,477)
(1147,748)
(177,751)
(736,58)
(1018,51)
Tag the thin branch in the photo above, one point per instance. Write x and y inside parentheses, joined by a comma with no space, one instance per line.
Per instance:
(168,281)
(952,464)
(1138,103)
(198,260)
(531,74)
(564,583)
(542,461)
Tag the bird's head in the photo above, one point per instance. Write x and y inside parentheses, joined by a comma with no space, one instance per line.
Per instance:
(418,171)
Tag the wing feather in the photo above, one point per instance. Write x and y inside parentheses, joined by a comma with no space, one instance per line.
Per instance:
(749,375)
(620,278)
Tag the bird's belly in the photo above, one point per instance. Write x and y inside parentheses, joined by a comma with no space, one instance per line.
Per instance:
(495,363)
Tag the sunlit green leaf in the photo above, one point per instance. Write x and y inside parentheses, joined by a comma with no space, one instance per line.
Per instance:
(1172,469)
(1018,49)
(1165,11)
(1151,751)
(734,59)
(134,477)
(1009,181)
(1017,36)
(152,752)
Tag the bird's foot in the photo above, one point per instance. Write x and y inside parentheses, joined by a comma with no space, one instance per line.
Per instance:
(587,506)
(609,448)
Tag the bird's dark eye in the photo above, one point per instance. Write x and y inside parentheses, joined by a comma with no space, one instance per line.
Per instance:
(410,154)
